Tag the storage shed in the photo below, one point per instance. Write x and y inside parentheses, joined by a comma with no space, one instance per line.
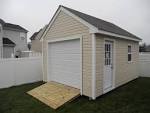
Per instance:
(88,53)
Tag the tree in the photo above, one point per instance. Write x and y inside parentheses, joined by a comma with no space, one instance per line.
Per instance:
(143,47)
(29,45)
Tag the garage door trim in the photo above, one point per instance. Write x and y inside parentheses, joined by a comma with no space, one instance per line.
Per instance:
(67,39)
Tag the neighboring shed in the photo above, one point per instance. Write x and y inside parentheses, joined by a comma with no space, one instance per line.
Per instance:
(88,53)
(36,44)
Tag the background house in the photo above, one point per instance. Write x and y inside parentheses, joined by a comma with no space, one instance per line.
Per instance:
(13,39)
(88,53)
(36,41)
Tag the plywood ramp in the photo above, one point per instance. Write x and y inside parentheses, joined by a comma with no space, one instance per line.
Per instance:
(54,94)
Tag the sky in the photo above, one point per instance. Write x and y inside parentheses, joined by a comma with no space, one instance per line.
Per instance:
(131,15)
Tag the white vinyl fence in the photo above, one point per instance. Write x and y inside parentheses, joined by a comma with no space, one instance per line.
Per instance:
(20,71)
(144,64)
(30,54)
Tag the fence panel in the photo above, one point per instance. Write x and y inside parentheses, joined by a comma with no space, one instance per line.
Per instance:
(20,71)
(144,64)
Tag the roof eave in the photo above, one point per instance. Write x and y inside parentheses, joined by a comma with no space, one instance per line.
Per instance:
(116,35)
(14,29)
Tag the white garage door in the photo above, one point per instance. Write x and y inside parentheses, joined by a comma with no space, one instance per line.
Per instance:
(64,62)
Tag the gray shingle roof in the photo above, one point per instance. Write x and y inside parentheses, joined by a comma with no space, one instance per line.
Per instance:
(101,24)
(34,35)
(12,26)
(38,35)
(2,22)
(17,27)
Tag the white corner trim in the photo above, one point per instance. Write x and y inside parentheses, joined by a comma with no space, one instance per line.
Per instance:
(47,63)
(114,63)
(116,35)
(93,66)
(81,66)
(43,61)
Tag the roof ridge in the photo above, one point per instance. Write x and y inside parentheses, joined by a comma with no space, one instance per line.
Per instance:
(2,21)
(15,26)
(11,25)
(88,15)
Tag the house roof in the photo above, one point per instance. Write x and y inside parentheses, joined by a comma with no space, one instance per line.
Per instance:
(2,21)
(7,41)
(38,35)
(12,26)
(34,35)
(101,24)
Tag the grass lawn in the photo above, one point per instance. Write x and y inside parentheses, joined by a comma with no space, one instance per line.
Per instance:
(133,97)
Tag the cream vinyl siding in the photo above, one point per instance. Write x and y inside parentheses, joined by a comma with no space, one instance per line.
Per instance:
(36,46)
(87,65)
(99,64)
(65,26)
(125,71)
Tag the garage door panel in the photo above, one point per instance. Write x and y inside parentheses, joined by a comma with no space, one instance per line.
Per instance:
(64,62)
(66,58)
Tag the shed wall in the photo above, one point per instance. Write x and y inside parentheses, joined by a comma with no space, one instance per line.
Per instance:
(65,26)
(124,71)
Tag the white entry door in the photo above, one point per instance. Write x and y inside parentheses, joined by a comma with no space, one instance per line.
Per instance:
(64,62)
(108,67)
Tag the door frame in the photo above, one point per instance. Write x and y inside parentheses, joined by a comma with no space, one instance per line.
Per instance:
(73,37)
(114,63)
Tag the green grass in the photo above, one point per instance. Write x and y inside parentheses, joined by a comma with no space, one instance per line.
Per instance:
(133,97)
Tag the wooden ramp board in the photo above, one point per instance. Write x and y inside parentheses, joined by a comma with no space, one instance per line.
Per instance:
(54,94)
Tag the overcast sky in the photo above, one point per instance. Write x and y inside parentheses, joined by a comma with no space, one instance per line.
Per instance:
(132,15)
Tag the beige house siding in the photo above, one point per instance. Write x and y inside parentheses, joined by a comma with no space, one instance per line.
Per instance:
(125,71)
(99,64)
(36,46)
(87,65)
(64,26)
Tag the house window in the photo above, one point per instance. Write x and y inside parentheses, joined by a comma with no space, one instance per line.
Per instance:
(22,38)
(129,53)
